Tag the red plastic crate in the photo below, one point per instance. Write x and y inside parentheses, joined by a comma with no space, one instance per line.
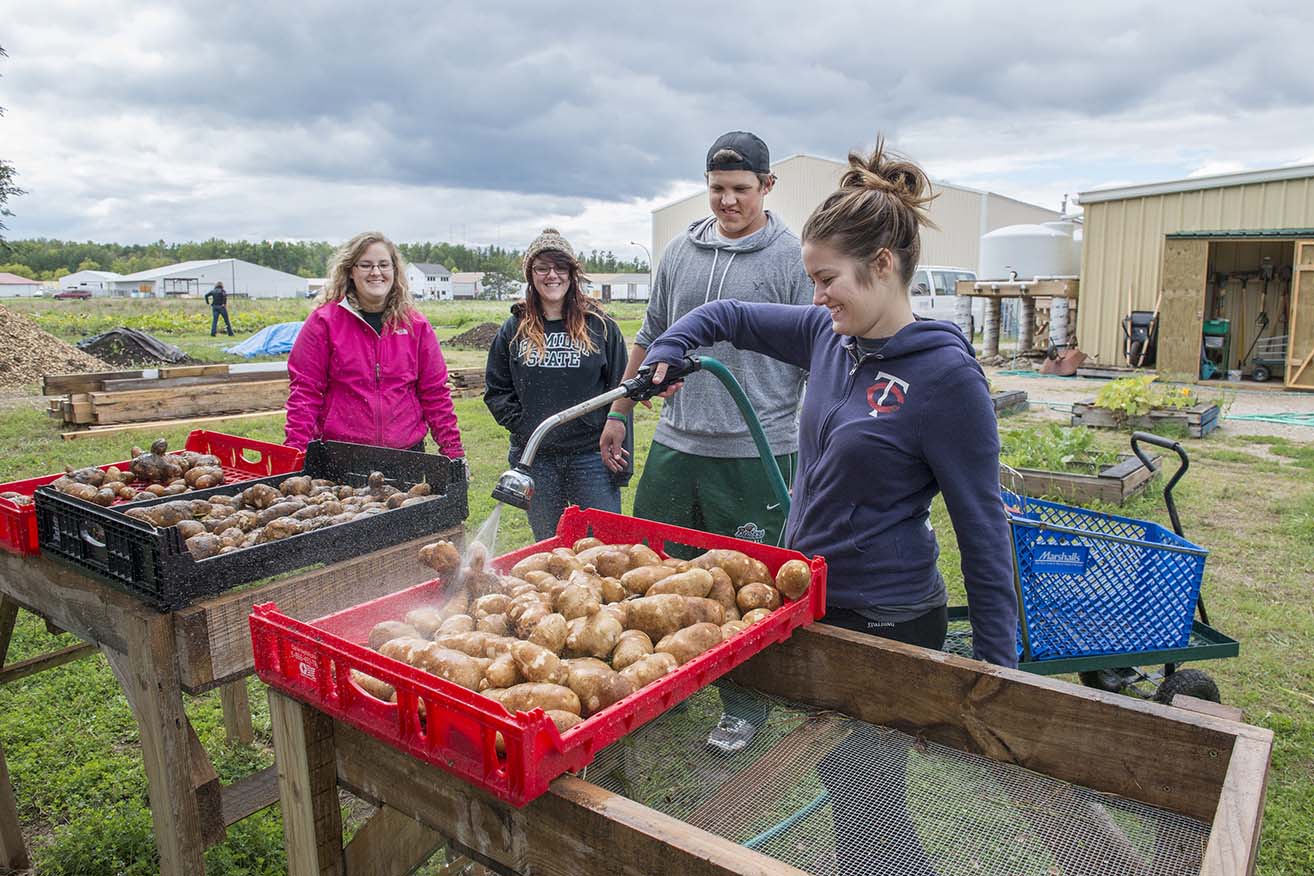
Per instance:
(313,661)
(243,459)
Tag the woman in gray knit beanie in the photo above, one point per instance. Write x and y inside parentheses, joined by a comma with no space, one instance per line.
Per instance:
(557,349)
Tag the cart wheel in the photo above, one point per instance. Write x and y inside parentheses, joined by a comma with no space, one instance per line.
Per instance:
(1260,374)
(1191,682)
(1110,680)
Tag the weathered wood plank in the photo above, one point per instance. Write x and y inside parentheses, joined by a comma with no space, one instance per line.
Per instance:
(102,431)
(237,712)
(58,384)
(86,608)
(13,854)
(154,404)
(174,382)
(1072,733)
(390,844)
(42,662)
(219,627)
(1234,838)
(249,794)
(307,787)
(8,617)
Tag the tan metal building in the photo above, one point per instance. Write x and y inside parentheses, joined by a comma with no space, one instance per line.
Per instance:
(803,181)
(1228,247)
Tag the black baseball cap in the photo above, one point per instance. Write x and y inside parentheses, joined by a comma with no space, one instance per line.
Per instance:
(757,157)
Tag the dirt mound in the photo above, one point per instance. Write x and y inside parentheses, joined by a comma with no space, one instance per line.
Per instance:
(478,338)
(27,353)
(127,347)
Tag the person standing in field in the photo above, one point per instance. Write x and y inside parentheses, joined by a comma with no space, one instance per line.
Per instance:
(703,470)
(217,298)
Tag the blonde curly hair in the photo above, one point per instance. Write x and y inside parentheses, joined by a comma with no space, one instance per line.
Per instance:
(399,305)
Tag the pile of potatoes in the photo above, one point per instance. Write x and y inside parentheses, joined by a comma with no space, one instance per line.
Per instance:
(263,513)
(574,630)
(150,475)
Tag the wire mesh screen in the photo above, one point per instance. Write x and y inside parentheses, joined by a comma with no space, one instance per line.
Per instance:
(832,795)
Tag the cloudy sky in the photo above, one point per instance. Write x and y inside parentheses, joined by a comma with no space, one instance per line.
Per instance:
(131,120)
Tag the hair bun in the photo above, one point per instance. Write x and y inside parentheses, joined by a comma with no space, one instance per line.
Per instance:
(883,171)
(550,231)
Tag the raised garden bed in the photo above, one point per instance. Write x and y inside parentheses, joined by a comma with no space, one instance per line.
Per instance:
(1198,420)
(1112,484)
(1009,401)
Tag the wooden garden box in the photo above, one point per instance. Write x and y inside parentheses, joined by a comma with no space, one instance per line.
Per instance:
(1112,484)
(1009,401)
(1198,420)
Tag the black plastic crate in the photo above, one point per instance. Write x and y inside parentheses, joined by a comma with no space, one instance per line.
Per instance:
(155,566)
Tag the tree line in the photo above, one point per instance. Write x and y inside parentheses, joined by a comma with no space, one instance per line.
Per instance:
(48,259)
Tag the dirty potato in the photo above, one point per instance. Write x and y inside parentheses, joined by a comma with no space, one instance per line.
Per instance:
(757,595)
(689,642)
(793,578)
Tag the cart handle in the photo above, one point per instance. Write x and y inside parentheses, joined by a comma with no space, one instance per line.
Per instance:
(1175,447)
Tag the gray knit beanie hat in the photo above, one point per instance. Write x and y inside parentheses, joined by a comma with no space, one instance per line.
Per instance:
(550,239)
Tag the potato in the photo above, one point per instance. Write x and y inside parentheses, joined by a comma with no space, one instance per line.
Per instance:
(632,646)
(695,582)
(677,564)
(657,615)
(638,580)
(188,528)
(563,720)
(404,648)
(388,630)
(537,663)
(729,628)
(492,603)
(283,527)
(757,595)
(646,670)
(698,610)
(620,611)
(203,546)
(642,555)
(543,581)
(723,589)
(757,614)
(563,562)
(613,590)
(476,643)
(530,619)
(419,491)
(689,642)
(541,695)
(497,624)
(533,563)
(596,636)
(441,556)
(458,602)
(451,665)
(550,632)
(457,623)
(502,672)
(577,600)
(793,578)
(597,686)
(372,686)
(735,563)
(585,544)
(203,477)
(608,561)
(758,572)
(260,496)
(426,619)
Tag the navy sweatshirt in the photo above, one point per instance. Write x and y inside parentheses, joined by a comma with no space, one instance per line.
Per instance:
(879,436)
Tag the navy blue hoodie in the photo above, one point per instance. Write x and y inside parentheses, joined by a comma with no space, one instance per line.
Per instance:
(879,436)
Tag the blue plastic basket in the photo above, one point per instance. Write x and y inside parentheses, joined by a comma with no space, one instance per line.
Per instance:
(1091,583)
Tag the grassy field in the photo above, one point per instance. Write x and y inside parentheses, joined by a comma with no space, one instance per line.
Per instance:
(71,741)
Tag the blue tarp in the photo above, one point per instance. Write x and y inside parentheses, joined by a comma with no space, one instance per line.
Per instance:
(272,340)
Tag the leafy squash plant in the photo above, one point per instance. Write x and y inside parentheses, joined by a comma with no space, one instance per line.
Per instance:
(1054,448)
(1137,396)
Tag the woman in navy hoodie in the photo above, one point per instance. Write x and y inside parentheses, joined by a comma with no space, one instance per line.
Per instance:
(896,410)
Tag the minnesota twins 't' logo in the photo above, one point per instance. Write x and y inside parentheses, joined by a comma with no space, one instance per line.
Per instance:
(887,394)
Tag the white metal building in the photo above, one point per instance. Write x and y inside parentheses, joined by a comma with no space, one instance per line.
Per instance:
(96,282)
(433,282)
(803,181)
(14,286)
(198,277)
(618,287)
(467,284)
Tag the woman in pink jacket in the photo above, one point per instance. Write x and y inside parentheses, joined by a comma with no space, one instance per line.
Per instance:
(366,367)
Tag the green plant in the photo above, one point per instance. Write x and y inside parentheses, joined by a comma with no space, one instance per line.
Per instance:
(1137,396)
(1053,448)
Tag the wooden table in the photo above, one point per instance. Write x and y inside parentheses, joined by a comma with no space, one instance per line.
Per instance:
(1199,764)
(157,657)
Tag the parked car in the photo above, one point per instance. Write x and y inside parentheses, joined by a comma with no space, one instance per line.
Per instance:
(932,294)
(72,293)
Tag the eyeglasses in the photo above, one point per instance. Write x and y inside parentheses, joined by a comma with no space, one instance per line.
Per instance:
(367,267)
(544,270)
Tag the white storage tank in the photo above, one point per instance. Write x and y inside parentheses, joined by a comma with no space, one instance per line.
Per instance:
(1028,251)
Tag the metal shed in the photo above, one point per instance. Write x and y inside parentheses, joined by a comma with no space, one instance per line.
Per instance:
(803,181)
(1216,248)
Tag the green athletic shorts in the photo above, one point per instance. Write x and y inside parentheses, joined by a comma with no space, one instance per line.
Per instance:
(725,496)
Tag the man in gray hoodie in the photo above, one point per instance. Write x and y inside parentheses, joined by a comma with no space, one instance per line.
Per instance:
(703,470)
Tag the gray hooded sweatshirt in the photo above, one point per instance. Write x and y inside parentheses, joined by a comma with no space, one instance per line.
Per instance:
(701,266)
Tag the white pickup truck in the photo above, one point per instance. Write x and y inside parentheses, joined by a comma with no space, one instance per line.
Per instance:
(932,294)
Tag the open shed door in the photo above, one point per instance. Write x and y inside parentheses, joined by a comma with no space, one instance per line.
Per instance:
(1181,314)
(1300,346)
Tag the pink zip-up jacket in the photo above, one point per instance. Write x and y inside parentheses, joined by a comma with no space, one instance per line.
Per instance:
(350,384)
